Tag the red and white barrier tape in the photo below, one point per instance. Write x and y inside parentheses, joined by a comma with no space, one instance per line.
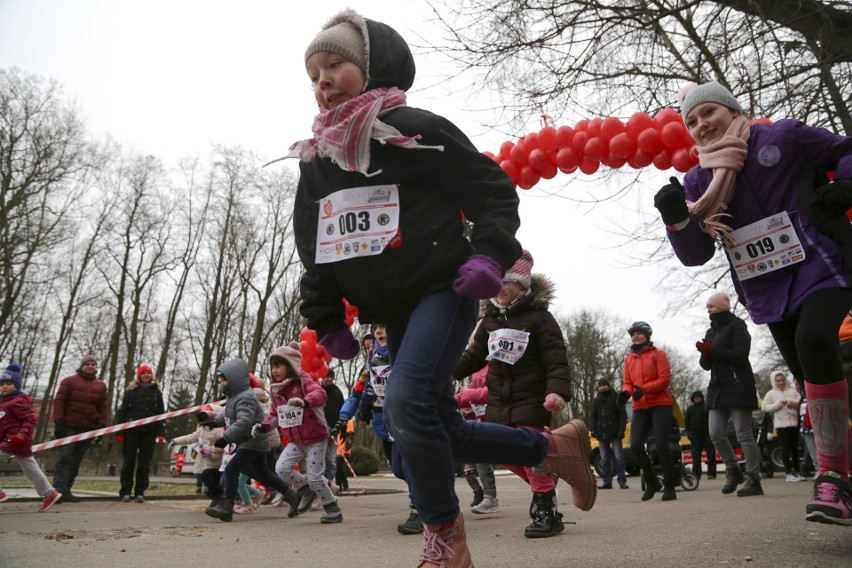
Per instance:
(120,427)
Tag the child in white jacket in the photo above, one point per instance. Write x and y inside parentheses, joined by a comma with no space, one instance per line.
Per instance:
(783,402)
(203,438)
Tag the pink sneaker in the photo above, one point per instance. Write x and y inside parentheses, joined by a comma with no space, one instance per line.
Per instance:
(832,501)
(242,508)
(50,500)
(3,496)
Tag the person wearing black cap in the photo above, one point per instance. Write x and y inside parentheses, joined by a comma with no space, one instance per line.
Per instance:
(695,421)
(609,420)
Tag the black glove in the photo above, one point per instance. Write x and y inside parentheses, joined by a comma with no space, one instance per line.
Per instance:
(834,199)
(623,397)
(620,436)
(340,425)
(210,423)
(221,442)
(202,416)
(671,202)
(59,429)
(637,393)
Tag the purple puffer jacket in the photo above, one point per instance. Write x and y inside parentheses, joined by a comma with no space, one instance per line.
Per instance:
(767,184)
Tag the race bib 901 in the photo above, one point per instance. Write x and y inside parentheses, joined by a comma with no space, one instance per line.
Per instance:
(765,246)
(359,221)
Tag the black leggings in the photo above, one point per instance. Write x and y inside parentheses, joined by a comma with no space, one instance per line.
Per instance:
(789,448)
(659,420)
(808,340)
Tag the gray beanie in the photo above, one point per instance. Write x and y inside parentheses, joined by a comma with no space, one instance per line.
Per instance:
(344,39)
(693,95)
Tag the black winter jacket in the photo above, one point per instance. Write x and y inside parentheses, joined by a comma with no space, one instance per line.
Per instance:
(609,418)
(436,187)
(695,421)
(141,401)
(516,392)
(731,378)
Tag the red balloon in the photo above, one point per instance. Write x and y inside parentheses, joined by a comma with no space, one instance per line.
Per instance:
(564,136)
(640,160)
(506,148)
(549,171)
(322,371)
(547,139)
(649,141)
(579,142)
(307,334)
(595,149)
(588,166)
(662,161)
(528,177)
(511,169)
(674,135)
(489,154)
(595,127)
(538,159)
(611,127)
(665,116)
(531,140)
(682,160)
(308,365)
(637,123)
(622,145)
(614,161)
(760,121)
(582,126)
(567,159)
(519,154)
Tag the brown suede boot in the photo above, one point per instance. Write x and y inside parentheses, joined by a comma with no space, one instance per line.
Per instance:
(445,546)
(568,457)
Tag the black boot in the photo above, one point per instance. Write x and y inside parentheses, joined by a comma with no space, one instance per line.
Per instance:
(293,499)
(215,502)
(306,497)
(332,514)
(414,524)
(751,487)
(478,496)
(669,492)
(734,476)
(547,521)
(652,485)
(224,511)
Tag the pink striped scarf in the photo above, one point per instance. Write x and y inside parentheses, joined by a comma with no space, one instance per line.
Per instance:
(726,158)
(344,133)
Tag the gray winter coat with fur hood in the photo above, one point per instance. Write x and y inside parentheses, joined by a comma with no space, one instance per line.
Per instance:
(242,410)
(516,392)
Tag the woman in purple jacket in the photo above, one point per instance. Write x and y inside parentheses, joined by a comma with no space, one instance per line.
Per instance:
(761,192)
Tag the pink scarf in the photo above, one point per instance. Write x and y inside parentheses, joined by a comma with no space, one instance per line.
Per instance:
(726,158)
(344,133)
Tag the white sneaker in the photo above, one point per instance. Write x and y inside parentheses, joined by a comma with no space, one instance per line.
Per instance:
(790,477)
(278,500)
(488,505)
(797,477)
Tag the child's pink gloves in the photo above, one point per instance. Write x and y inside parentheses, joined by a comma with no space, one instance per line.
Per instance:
(341,344)
(479,278)
(554,403)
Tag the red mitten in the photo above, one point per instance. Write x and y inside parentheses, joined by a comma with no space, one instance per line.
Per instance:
(119,438)
(17,440)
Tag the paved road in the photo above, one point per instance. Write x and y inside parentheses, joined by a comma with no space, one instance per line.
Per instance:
(701,528)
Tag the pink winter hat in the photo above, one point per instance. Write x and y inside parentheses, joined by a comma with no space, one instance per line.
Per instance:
(721,300)
(521,271)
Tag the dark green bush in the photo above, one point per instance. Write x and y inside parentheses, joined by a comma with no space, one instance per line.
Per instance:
(364,460)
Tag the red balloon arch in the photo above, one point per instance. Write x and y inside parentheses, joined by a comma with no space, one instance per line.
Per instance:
(641,141)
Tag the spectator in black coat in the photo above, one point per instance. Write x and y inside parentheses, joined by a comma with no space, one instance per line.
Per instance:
(333,405)
(698,432)
(609,419)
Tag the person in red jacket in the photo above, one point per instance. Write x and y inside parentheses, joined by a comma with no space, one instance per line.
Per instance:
(646,380)
(17,421)
(80,406)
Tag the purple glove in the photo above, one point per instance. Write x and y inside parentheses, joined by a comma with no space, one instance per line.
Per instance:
(481,277)
(341,344)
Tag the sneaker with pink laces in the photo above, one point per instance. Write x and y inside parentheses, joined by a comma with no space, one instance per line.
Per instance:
(50,500)
(832,501)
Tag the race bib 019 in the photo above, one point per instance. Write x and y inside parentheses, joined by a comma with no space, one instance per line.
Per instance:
(359,221)
(765,246)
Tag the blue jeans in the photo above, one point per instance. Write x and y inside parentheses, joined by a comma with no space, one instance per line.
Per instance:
(612,447)
(421,413)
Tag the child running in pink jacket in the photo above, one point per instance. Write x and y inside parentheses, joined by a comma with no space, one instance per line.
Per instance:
(297,406)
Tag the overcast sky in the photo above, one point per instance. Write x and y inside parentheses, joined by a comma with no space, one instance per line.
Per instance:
(172,77)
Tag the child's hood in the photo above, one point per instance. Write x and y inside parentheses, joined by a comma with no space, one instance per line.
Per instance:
(390,62)
(237,373)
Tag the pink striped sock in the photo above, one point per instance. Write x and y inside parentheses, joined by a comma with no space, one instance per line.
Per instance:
(829,408)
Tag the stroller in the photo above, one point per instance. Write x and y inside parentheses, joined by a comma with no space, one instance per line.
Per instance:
(686,479)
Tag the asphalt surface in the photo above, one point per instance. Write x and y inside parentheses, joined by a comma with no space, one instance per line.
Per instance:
(700,528)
